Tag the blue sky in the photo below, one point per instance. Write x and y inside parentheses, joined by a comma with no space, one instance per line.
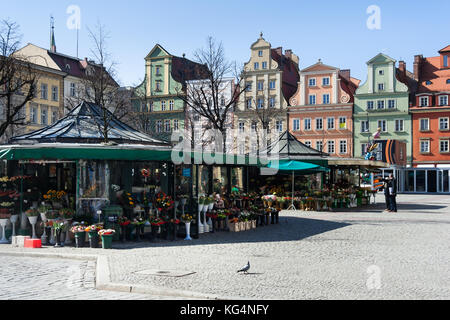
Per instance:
(334,31)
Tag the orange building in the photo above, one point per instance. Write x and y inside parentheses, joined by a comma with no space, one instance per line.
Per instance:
(321,110)
(431,111)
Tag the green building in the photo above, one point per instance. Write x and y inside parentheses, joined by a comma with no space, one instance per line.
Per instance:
(383,102)
(157,103)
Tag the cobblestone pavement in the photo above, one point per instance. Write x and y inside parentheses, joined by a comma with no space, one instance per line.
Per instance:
(26,278)
(365,254)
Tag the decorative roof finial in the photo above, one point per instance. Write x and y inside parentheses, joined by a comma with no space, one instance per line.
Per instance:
(320,60)
(52,35)
(261,35)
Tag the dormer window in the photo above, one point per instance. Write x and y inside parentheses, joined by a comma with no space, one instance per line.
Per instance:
(445,61)
(428,82)
(260,53)
(448,81)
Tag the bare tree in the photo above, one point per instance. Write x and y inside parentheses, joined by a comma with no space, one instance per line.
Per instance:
(205,97)
(99,84)
(18,81)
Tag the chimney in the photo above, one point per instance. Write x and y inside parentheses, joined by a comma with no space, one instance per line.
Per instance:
(345,74)
(417,65)
(402,67)
(288,54)
(279,50)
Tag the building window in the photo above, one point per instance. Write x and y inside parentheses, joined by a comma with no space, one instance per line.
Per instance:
(381,72)
(369,105)
(241,127)
(365,126)
(264,65)
(260,53)
(312,99)
(279,126)
(272,84)
(424,146)
(319,146)
(308,144)
(260,104)
(167,125)
(307,125)
(383,125)
(159,126)
(254,126)
(444,146)
(249,86)
(448,81)
(331,147)
(443,124)
(54,93)
(445,61)
(381,87)
(424,124)
(326,81)
(342,123)
(330,123)
(222,102)
(443,100)
(163,106)
(260,85)
(343,147)
(312,82)
(399,125)
(364,149)
(44,91)
(319,124)
(150,107)
(158,86)
(175,125)
(33,114)
(158,71)
(272,102)
(54,116)
(249,103)
(380,104)
(256,65)
(296,125)
(423,101)
(44,119)
(73,90)
(391,104)
(326,99)
(171,104)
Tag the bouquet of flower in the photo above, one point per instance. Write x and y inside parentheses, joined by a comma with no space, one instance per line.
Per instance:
(124,221)
(7,204)
(52,215)
(138,222)
(106,232)
(32,212)
(44,208)
(58,225)
(174,221)
(156,221)
(78,229)
(201,200)
(130,200)
(269,198)
(187,218)
(164,202)
(53,195)
(67,213)
(94,228)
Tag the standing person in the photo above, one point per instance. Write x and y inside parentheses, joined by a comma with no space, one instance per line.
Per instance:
(386,194)
(392,193)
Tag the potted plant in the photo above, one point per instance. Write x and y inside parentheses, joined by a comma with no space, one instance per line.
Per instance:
(234,225)
(92,232)
(80,235)
(187,219)
(58,226)
(124,222)
(107,237)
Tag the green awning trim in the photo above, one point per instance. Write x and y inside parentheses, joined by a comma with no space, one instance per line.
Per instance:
(288,165)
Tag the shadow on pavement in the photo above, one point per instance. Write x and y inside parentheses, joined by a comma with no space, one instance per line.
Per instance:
(288,229)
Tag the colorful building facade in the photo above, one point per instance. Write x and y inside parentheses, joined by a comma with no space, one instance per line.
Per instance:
(383,102)
(431,111)
(321,111)
(158,97)
(270,79)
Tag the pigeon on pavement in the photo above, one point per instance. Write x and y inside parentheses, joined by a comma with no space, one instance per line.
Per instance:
(245,269)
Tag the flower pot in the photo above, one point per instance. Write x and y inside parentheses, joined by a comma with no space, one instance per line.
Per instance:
(79,239)
(58,243)
(188,231)
(93,239)
(3,223)
(33,221)
(14,219)
(107,241)
(248,225)
(234,227)
(253,222)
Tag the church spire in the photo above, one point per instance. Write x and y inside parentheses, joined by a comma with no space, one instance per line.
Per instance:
(52,35)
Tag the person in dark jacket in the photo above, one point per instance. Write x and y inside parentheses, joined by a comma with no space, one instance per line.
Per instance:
(386,194)
(392,184)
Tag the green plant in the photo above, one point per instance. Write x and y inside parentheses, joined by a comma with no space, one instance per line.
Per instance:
(67,213)
(44,208)
(32,212)
(59,225)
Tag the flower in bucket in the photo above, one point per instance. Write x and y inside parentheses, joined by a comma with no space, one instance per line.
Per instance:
(53,195)
(187,218)
(67,213)
(106,232)
(164,202)
(94,228)
(124,221)
(32,212)
(174,221)
(157,222)
(52,215)
(138,222)
(44,208)
(78,229)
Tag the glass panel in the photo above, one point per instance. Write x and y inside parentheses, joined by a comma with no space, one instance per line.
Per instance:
(420,181)
(432,186)
(439,181)
(409,185)
(204,180)
(237,178)
(220,180)
(446,181)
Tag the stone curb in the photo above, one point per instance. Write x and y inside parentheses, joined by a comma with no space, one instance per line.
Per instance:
(103,277)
